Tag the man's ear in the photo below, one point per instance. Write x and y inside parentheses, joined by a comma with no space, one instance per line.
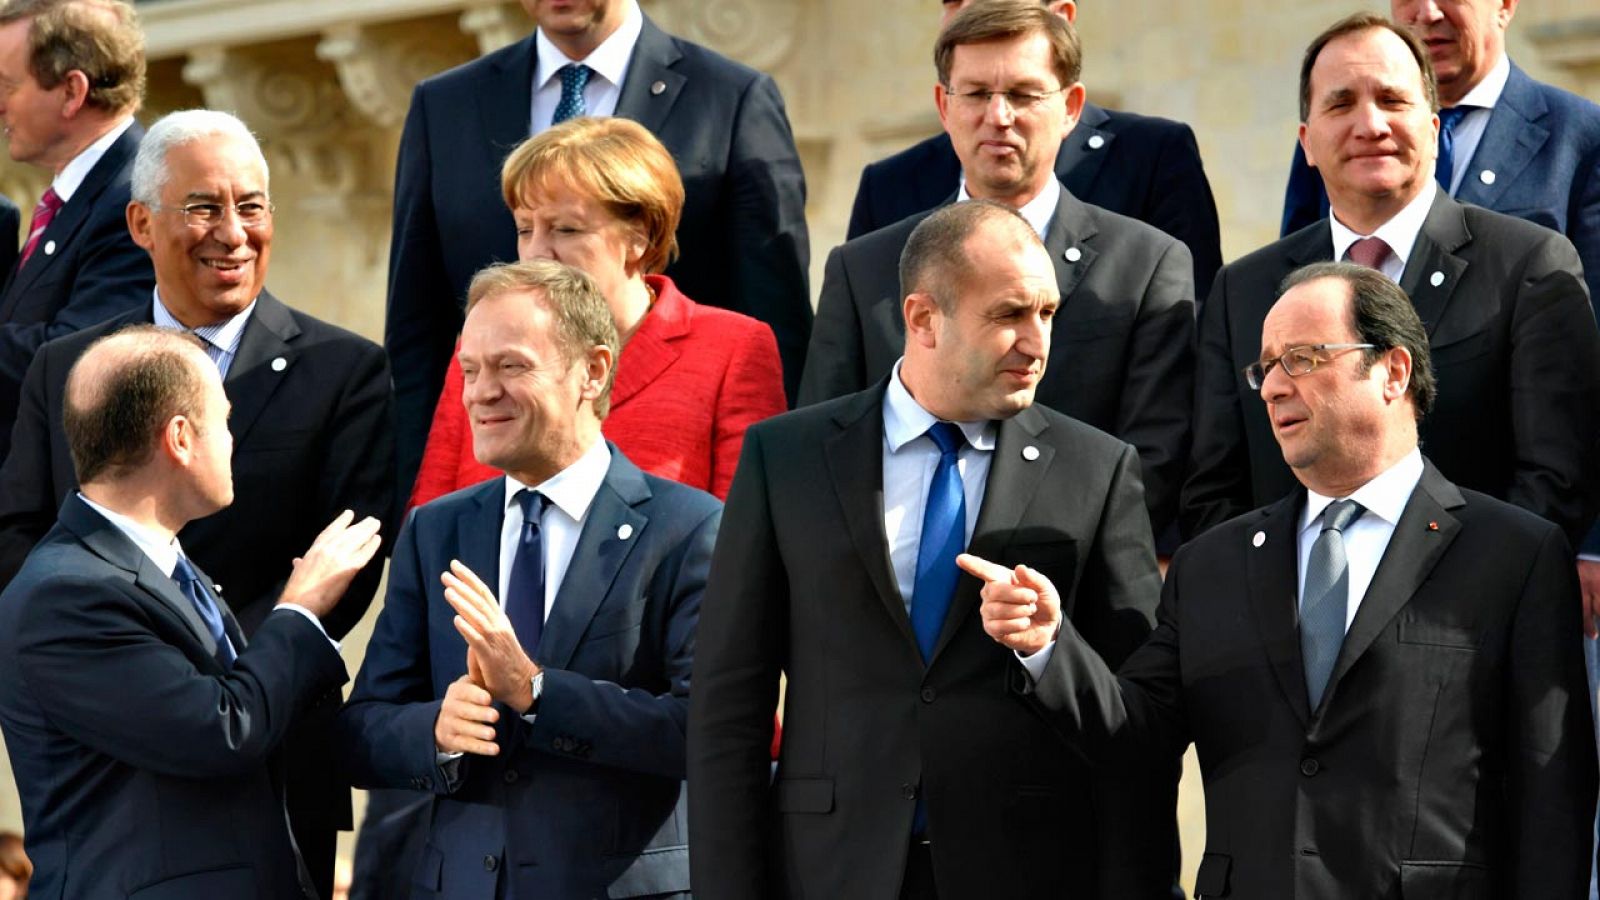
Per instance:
(178,439)
(76,93)
(138,216)
(1397,377)
(1066,9)
(922,316)
(597,365)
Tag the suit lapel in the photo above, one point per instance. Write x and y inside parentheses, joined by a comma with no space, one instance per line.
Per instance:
(855,461)
(1080,160)
(230,625)
(1425,530)
(256,374)
(505,101)
(654,55)
(1013,481)
(611,530)
(1433,272)
(478,538)
(1069,234)
(1511,141)
(1272,576)
(653,348)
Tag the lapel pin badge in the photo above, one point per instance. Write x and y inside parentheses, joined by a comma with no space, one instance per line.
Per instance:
(1030,453)
(49,248)
(1258,539)
(1073,254)
(279,364)
(1433,526)
(1096,142)
(1486,176)
(1436,279)
(658,88)
(624,531)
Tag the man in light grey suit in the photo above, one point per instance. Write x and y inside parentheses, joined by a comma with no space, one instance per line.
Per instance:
(1008,93)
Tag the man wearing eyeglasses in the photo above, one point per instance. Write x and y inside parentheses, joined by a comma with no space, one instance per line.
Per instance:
(1008,92)
(1503,301)
(311,418)
(1378,671)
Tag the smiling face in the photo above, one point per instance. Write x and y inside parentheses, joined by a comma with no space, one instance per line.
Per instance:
(1369,130)
(1465,38)
(206,274)
(576,26)
(1007,154)
(35,128)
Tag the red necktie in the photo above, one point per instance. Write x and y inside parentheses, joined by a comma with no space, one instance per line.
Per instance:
(1369,252)
(43,214)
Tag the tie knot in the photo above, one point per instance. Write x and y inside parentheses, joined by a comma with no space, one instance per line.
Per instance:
(50,200)
(183,573)
(574,76)
(1451,117)
(1369,252)
(533,504)
(948,436)
(1340,513)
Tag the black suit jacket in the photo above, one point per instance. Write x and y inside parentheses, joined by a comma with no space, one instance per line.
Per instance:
(85,270)
(1122,354)
(802,584)
(1143,167)
(742,236)
(1514,346)
(144,766)
(1453,754)
(10,233)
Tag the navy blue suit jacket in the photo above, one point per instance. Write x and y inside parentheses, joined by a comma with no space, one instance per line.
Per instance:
(145,767)
(587,800)
(85,270)
(10,232)
(1143,167)
(742,236)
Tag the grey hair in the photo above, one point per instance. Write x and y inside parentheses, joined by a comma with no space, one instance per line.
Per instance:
(150,165)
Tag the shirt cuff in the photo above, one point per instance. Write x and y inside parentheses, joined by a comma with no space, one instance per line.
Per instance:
(1589,557)
(295,607)
(1034,665)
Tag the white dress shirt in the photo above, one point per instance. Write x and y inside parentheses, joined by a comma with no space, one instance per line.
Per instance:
(1400,232)
(910,459)
(569,494)
(1384,498)
(1038,211)
(71,176)
(222,338)
(609,64)
(1469,131)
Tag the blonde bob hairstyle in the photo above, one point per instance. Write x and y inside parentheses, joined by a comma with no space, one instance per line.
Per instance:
(616,162)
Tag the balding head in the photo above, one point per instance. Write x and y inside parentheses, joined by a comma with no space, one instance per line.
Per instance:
(122,393)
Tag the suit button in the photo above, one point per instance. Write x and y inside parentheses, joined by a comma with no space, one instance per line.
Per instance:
(510,776)
(427,784)
(490,863)
(1309,767)
(928,694)
(908,791)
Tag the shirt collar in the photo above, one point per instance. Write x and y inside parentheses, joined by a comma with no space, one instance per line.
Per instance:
(1385,496)
(223,335)
(572,489)
(71,177)
(609,60)
(163,553)
(905,420)
(1400,232)
(1486,93)
(1038,211)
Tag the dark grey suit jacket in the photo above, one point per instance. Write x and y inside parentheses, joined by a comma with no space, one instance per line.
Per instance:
(1122,355)
(802,584)
(1453,754)
(1514,346)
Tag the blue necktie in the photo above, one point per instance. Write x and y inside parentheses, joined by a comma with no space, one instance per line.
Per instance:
(525,593)
(1445,171)
(189,583)
(1327,597)
(944,532)
(574,78)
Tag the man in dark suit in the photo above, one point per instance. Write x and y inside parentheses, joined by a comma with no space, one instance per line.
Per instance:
(1143,167)
(311,413)
(75,71)
(1379,672)
(1513,336)
(1124,362)
(10,222)
(550,729)
(908,769)
(743,233)
(141,723)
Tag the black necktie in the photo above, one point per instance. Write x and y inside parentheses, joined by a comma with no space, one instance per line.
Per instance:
(525,592)
(189,582)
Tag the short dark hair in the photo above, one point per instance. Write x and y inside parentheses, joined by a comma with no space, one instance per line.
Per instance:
(1366,21)
(100,38)
(1381,315)
(934,261)
(582,315)
(993,20)
(112,427)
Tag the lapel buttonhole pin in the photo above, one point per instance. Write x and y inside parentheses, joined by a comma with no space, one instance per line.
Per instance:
(1486,176)
(1433,526)
(1258,539)
(49,248)
(279,364)
(624,531)
(1436,279)
(1096,142)
(1030,453)
(658,88)
(1073,254)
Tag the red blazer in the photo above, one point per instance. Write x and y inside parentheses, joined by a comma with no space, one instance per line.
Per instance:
(688,384)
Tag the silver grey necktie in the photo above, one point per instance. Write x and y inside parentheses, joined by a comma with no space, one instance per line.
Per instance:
(1326,598)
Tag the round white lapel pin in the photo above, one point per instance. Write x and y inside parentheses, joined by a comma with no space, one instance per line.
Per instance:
(279,364)
(1258,539)
(658,88)
(624,531)
(1096,142)
(1030,453)
(1436,279)
(49,248)
(1486,176)
(1073,254)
